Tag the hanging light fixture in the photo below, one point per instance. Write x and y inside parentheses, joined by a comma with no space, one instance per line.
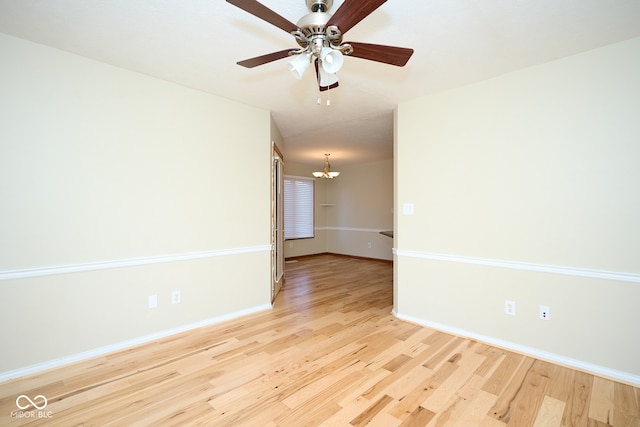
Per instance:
(326,173)
(319,45)
(319,35)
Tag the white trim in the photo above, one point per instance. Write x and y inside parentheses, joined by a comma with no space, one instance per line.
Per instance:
(364,230)
(79,357)
(104,265)
(519,265)
(602,371)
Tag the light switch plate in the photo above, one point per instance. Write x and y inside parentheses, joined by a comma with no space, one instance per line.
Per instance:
(153,301)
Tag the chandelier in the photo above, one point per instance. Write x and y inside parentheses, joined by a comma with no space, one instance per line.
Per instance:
(326,173)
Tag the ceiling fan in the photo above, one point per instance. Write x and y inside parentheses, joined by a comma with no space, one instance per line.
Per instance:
(319,36)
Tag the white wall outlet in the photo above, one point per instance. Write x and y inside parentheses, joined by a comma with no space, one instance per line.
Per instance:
(545,312)
(153,301)
(407,209)
(510,307)
(176,297)
(369,245)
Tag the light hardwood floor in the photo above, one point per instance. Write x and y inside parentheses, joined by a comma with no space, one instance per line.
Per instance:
(329,353)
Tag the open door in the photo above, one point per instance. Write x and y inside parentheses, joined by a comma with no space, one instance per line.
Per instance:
(277,221)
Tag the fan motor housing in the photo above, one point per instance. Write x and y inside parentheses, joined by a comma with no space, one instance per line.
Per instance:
(313,30)
(313,23)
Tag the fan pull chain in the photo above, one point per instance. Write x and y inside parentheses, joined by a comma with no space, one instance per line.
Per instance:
(319,101)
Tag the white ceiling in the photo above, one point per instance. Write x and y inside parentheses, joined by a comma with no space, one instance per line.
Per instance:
(197,43)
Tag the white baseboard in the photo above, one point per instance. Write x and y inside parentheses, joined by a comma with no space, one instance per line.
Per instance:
(601,371)
(78,357)
(361,230)
(623,377)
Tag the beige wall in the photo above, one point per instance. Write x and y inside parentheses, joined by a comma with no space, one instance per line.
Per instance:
(350,211)
(117,186)
(363,198)
(525,188)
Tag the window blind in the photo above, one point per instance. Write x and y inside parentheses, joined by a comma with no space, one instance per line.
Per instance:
(298,207)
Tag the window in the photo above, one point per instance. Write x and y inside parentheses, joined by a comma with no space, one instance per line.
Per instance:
(298,207)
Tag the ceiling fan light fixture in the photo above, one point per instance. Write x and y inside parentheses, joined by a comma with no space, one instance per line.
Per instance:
(331,59)
(326,172)
(319,35)
(298,65)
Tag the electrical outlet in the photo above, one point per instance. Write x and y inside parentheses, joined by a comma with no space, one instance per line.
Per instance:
(369,245)
(510,307)
(153,301)
(545,312)
(175,297)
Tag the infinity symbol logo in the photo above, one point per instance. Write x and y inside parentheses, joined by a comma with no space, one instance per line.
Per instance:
(22,398)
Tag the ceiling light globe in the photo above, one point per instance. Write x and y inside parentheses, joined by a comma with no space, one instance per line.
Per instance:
(298,65)
(332,60)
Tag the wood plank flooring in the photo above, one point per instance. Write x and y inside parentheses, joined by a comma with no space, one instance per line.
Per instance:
(328,354)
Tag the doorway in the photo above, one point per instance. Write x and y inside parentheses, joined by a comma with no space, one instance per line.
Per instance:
(277,221)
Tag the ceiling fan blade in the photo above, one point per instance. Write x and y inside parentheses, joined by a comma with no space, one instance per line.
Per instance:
(353,11)
(323,88)
(264,59)
(380,53)
(264,13)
